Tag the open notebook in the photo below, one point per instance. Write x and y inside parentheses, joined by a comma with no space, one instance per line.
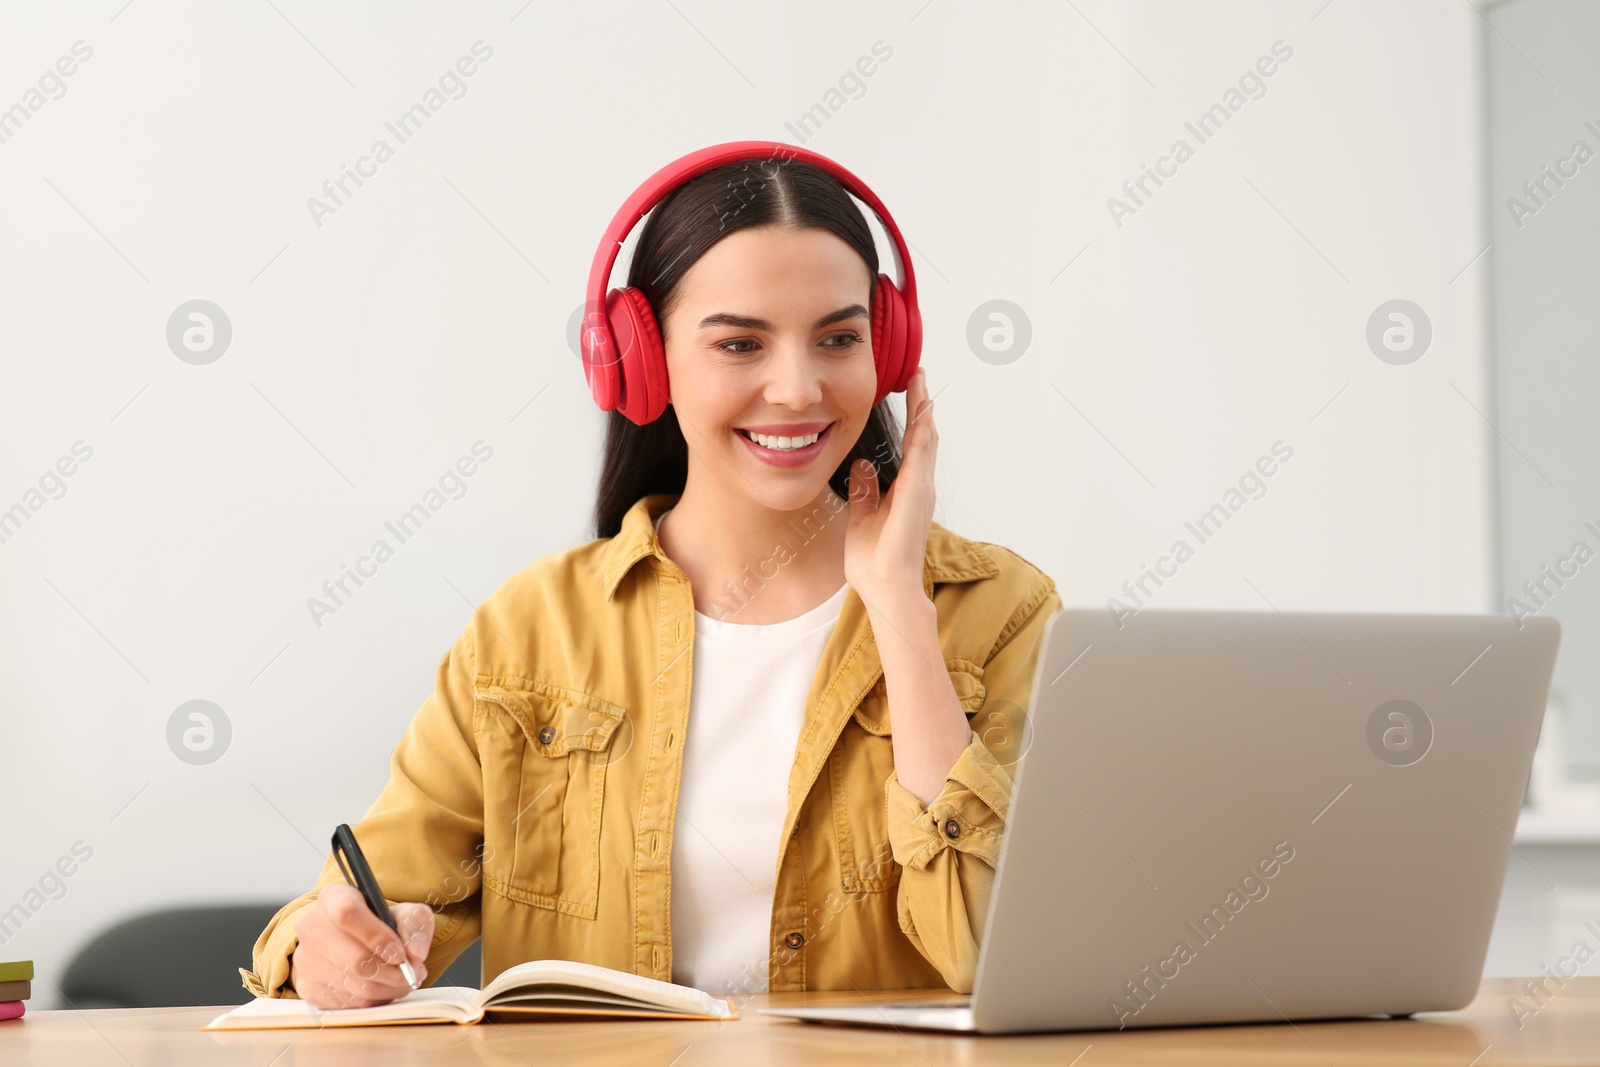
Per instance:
(544,987)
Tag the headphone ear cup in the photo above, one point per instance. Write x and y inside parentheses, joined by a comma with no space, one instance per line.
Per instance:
(600,368)
(641,360)
(910,340)
(889,338)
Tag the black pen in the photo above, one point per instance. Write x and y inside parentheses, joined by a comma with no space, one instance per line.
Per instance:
(354,866)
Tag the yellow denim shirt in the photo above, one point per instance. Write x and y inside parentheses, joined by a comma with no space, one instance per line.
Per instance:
(531,800)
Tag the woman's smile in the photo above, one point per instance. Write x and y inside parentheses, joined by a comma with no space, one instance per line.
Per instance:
(796,445)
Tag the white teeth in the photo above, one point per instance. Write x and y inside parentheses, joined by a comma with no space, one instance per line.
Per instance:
(782,444)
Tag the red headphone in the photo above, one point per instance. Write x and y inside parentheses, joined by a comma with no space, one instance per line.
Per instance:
(623,357)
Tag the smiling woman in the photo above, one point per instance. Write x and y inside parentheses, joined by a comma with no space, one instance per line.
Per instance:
(793,800)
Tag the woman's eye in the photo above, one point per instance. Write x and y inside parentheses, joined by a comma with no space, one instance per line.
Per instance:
(839,341)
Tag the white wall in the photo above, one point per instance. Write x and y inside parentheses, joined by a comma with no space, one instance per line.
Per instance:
(372,351)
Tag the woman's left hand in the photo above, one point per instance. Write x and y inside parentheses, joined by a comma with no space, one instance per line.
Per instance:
(887,539)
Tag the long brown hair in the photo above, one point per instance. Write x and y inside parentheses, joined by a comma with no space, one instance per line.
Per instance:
(654,458)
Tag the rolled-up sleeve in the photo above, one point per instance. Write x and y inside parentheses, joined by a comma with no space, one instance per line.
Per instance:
(948,850)
(422,837)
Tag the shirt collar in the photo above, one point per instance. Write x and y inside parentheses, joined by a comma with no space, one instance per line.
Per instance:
(636,539)
(949,556)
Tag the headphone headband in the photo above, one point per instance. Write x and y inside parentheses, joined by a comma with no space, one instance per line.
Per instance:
(664,181)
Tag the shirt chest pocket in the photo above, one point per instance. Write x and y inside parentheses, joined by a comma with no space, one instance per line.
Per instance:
(966,678)
(546,752)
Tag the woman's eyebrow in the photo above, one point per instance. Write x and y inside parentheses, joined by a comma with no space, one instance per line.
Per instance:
(745,322)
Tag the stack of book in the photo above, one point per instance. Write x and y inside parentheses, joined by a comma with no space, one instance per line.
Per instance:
(16,979)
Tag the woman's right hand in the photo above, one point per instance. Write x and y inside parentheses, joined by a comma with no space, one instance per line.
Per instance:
(347,957)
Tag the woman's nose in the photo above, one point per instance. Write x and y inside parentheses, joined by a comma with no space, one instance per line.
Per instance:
(793,380)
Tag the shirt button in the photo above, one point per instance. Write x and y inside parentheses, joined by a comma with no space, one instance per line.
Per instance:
(952,829)
(795,939)
(547,735)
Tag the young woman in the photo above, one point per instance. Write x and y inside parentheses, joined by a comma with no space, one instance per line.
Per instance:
(759,734)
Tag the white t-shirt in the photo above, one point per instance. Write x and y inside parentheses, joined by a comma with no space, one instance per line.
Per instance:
(746,703)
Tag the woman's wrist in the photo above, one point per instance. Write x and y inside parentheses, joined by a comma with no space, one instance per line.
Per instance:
(904,598)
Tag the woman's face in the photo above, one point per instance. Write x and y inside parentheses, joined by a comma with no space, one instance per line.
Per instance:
(770,336)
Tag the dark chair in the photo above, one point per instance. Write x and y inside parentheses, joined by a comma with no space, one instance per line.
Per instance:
(179,957)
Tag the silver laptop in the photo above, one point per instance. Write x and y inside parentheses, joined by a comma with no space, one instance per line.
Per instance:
(1250,816)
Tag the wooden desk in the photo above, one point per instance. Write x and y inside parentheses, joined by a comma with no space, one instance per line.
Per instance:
(1566,1031)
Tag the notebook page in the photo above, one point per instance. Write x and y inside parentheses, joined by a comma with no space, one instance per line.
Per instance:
(438,1004)
(569,973)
